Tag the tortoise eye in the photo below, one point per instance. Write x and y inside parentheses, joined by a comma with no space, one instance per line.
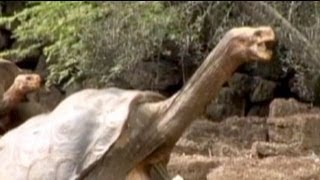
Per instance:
(29,78)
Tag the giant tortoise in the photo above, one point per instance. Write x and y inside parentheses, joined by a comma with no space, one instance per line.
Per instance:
(10,104)
(15,85)
(122,134)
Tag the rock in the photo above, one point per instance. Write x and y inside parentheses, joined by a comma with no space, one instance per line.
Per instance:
(300,129)
(243,131)
(302,87)
(263,90)
(227,138)
(228,103)
(261,110)
(265,149)
(153,75)
(241,83)
(269,168)
(281,107)
(258,90)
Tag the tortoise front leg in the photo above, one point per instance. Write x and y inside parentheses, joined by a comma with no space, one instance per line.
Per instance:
(140,172)
(149,172)
(159,172)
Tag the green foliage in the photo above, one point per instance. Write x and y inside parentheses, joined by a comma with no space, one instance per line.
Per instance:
(98,40)
(131,32)
(56,26)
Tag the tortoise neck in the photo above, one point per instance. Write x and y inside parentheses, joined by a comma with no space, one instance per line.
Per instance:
(11,97)
(190,102)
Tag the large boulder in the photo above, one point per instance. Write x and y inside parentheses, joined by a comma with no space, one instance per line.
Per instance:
(243,95)
(228,138)
(262,90)
(260,110)
(281,107)
(304,86)
(301,129)
(241,83)
(155,75)
(292,130)
(228,103)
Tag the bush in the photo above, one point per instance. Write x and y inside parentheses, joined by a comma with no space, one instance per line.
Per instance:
(98,40)
(130,33)
(55,27)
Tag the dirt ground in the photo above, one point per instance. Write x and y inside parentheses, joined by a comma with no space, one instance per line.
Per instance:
(282,146)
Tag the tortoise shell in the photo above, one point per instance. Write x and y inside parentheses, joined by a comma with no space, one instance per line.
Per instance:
(65,142)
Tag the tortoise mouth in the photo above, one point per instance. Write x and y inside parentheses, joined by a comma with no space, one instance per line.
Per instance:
(270,44)
(265,49)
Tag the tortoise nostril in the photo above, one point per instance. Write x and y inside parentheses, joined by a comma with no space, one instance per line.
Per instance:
(258,33)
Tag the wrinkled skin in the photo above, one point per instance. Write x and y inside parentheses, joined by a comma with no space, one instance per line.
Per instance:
(12,111)
(27,83)
(252,44)
(92,134)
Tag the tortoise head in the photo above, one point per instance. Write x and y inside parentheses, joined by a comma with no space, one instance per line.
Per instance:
(251,43)
(27,83)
